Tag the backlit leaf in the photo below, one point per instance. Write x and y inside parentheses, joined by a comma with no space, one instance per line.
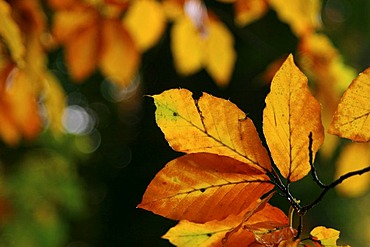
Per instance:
(354,156)
(204,43)
(249,11)
(216,233)
(303,16)
(119,58)
(219,53)
(352,117)
(203,187)
(11,34)
(291,114)
(211,125)
(326,236)
(145,20)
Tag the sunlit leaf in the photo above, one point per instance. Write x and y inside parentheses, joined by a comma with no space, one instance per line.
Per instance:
(217,233)
(11,34)
(203,187)
(291,114)
(303,16)
(187,47)
(203,44)
(189,234)
(354,156)
(18,107)
(119,58)
(219,53)
(326,236)
(211,125)
(290,243)
(352,117)
(249,11)
(145,20)
(54,101)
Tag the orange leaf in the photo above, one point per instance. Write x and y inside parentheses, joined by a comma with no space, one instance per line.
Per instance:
(216,233)
(203,187)
(249,11)
(291,114)
(209,125)
(82,53)
(119,58)
(352,117)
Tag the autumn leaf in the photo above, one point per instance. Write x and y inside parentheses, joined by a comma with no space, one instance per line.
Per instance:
(145,20)
(216,232)
(11,33)
(354,156)
(248,11)
(291,114)
(326,236)
(203,187)
(301,15)
(199,41)
(209,125)
(352,117)
(16,121)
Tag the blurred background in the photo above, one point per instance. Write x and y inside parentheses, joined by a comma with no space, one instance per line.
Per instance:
(79,143)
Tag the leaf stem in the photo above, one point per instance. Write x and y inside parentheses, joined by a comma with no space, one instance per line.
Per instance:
(313,168)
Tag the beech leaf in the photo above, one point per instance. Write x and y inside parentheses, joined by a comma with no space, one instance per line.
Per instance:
(326,236)
(211,125)
(352,117)
(291,114)
(11,33)
(217,232)
(145,21)
(203,187)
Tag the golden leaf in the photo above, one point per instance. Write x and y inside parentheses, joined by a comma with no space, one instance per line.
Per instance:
(354,156)
(145,20)
(209,125)
(291,114)
(352,117)
(301,15)
(326,236)
(203,187)
(249,11)
(11,33)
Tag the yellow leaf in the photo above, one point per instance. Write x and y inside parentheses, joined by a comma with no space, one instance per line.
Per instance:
(217,233)
(187,47)
(207,45)
(354,156)
(11,33)
(119,58)
(219,54)
(202,187)
(145,20)
(249,11)
(54,101)
(189,234)
(327,236)
(303,16)
(291,114)
(352,117)
(209,125)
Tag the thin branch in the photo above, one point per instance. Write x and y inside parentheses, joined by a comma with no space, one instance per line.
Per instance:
(304,209)
(313,168)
